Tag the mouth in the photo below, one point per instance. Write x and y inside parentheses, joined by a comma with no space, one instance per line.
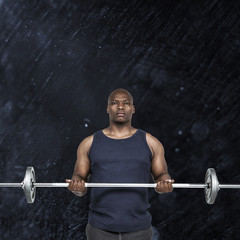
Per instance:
(120,114)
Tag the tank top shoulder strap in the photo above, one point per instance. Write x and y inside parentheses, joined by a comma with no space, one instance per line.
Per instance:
(95,137)
(143,136)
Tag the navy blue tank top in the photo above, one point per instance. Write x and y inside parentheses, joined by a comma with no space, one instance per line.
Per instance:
(120,161)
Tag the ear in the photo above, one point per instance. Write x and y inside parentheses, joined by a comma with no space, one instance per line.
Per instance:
(107,109)
(133,109)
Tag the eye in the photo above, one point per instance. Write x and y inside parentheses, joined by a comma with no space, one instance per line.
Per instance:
(127,103)
(113,103)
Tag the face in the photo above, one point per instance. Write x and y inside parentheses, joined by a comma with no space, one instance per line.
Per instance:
(120,107)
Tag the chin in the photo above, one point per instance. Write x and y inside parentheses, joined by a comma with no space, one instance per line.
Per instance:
(119,121)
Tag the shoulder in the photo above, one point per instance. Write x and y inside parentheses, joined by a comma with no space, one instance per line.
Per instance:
(154,144)
(88,140)
(86,143)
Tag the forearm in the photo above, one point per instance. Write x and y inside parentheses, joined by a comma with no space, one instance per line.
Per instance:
(162,177)
(78,177)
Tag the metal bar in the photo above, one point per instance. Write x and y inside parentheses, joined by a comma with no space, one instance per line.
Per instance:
(11,184)
(147,185)
(96,185)
(51,185)
(234,186)
(189,185)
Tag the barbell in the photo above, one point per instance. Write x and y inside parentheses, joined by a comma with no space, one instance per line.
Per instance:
(211,185)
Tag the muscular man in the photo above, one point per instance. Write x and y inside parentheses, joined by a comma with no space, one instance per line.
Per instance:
(120,153)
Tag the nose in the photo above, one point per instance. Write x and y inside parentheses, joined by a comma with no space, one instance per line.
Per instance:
(120,106)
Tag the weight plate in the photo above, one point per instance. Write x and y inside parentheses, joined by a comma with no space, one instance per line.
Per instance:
(212,183)
(28,185)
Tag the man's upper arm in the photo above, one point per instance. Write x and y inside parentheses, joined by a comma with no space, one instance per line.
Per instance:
(82,165)
(159,165)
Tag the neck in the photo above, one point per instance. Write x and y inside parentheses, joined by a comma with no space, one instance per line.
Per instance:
(120,128)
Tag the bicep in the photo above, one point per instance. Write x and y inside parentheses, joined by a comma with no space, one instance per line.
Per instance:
(159,165)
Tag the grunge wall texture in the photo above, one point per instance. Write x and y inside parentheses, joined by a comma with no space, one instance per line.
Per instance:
(59,60)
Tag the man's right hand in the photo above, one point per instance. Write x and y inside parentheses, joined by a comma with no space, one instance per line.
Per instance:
(77,187)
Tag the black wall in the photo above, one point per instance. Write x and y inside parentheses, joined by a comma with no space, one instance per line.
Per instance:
(59,60)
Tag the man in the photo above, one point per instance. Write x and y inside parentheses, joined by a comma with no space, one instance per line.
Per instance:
(120,153)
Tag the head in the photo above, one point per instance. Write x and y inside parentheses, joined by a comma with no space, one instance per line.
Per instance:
(120,106)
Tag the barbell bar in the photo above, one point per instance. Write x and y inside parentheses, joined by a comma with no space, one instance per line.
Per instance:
(211,185)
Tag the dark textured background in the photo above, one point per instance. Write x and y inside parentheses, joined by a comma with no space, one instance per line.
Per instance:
(59,60)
